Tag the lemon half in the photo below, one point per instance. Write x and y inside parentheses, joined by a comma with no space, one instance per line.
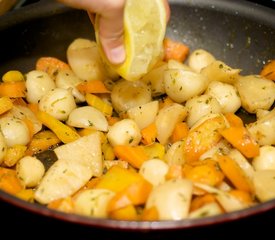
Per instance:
(144,31)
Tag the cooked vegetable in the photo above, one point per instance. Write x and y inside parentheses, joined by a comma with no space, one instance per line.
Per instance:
(129,94)
(144,114)
(38,83)
(266,159)
(5,104)
(62,131)
(241,139)
(219,71)
(13,89)
(167,119)
(154,171)
(13,76)
(30,171)
(13,154)
(94,86)
(3,147)
(181,85)
(84,59)
(133,155)
(226,94)
(124,132)
(9,181)
(172,199)
(58,103)
(264,183)
(175,50)
(255,92)
(87,117)
(199,59)
(201,106)
(51,65)
(184,141)
(15,131)
(93,202)
(77,162)
(99,104)
(268,70)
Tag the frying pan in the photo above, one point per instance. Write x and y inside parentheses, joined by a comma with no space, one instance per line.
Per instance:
(240,33)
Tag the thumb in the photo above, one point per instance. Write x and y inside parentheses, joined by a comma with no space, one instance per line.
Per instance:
(111,36)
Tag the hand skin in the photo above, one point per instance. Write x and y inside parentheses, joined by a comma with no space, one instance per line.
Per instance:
(110,24)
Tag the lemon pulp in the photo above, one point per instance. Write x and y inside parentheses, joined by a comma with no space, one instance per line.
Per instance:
(144,31)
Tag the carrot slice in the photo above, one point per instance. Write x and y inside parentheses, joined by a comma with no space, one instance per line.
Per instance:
(234,120)
(127,213)
(203,137)
(180,132)
(268,70)
(136,194)
(149,134)
(51,65)
(175,50)
(150,214)
(13,89)
(9,181)
(133,155)
(240,138)
(234,173)
(5,104)
(94,86)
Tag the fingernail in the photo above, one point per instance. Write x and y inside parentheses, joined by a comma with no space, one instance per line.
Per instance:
(117,55)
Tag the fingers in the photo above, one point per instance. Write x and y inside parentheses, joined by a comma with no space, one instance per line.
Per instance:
(167,8)
(111,32)
(110,24)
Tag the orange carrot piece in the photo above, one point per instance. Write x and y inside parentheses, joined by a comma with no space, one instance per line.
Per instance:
(180,132)
(86,131)
(234,120)
(149,134)
(203,137)
(207,172)
(136,194)
(92,183)
(127,213)
(33,107)
(200,201)
(150,214)
(42,141)
(13,89)
(243,196)
(112,120)
(63,205)
(5,104)
(174,171)
(94,86)
(234,173)
(175,50)
(9,181)
(51,65)
(133,155)
(268,70)
(240,138)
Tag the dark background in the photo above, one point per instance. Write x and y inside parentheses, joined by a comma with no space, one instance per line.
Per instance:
(16,222)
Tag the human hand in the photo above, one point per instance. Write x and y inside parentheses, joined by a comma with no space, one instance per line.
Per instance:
(110,24)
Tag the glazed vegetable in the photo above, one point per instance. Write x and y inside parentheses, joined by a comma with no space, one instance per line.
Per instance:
(172,145)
